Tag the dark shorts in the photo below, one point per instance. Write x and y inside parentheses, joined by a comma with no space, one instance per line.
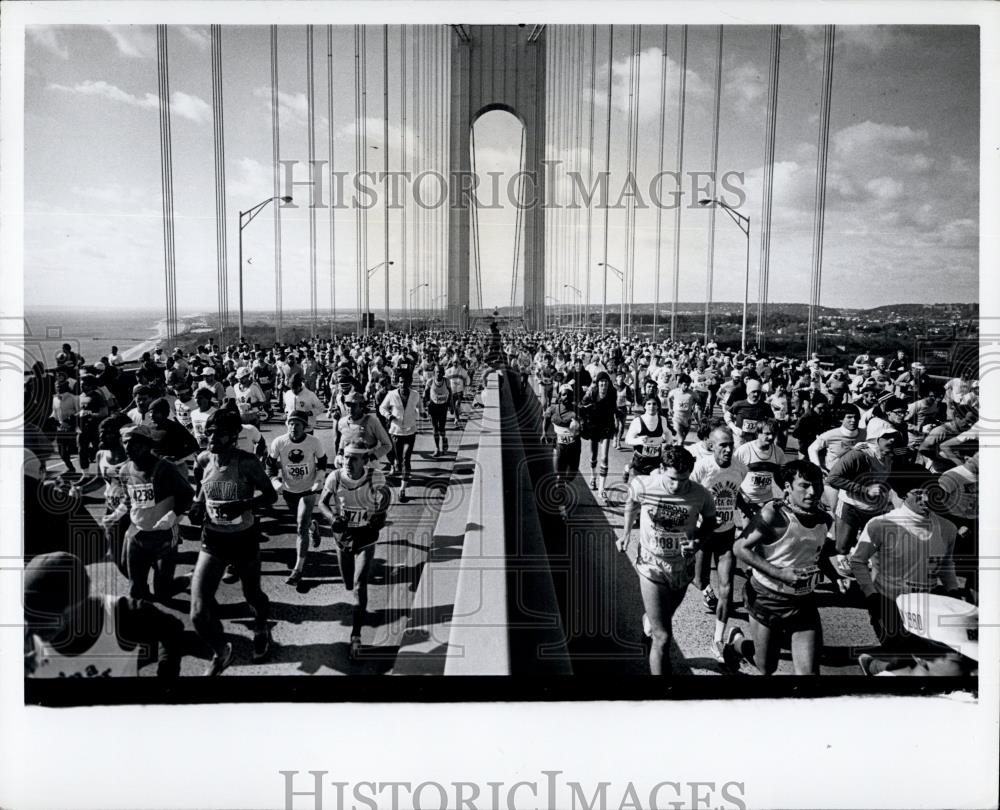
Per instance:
(720,542)
(231,547)
(854,517)
(293,498)
(355,540)
(780,612)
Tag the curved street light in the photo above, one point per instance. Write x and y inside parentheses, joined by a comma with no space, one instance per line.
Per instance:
(246,217)
(368,277)
(621,278)
(412,291)
(743,223)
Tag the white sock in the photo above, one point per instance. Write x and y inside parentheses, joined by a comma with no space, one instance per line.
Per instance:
(720,630)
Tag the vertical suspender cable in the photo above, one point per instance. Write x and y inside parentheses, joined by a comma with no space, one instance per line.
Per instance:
(311,126)
(715,169)
(275,157)
(635,164)
(385,164)
(473,203)
(577,165)
(629,178)
(418,216)
(590,171)
(819,216)
(358,269)
(333,201)
(607,175)
(218,128)
(769,145)
(364,170)
(518,224)
(680,169)
(403,303)
(659,208)
(167,183)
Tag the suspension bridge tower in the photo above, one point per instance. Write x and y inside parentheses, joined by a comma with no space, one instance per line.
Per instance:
(498,67)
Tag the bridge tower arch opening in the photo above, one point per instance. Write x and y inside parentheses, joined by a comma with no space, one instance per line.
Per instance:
(497,67)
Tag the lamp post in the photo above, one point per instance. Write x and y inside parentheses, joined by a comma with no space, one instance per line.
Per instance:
(412,291)
(743,223)
(579,294)
(557,302)
(621,278)
(368,277)
(246,217)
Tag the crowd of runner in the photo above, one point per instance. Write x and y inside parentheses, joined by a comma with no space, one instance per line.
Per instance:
(790,473)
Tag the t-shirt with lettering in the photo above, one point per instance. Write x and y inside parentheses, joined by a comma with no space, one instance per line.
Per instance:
(723,483)
(758,484)
(667,521)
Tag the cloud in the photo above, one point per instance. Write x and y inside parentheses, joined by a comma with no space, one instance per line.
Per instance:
(854,42)
(885,189)
(199,37)
(650,69)
(745,86)
(48,38)
(869,136)
(193,108)
(135,42)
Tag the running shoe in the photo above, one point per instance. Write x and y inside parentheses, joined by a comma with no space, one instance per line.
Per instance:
(735,640)
(261,645)
(867,662)
(231,575)
(220,661)
(314,534)
(718,650)
(593,483)
(403,498)
(710,599)
(444,446)
(355,647)
(293,578)
(647,628)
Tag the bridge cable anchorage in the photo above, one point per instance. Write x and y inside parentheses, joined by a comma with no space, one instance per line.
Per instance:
(681,99)
(659,208)
(333,202)
(709,283)
(275,158)
(819,217)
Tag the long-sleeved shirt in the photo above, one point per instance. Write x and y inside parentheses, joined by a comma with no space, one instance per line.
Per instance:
(857,470)
(833,444)
(907,553)
(402,416)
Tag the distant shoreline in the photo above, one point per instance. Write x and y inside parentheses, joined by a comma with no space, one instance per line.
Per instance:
(185,324)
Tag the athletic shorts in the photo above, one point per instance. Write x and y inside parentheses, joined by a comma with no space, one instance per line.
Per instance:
(852,516)
(293,498)
(231,547)
(358,539)
(674,572)
(781,612)
(720,542)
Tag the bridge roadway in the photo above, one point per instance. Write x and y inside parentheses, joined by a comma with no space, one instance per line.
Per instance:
(596,586)
(311,622)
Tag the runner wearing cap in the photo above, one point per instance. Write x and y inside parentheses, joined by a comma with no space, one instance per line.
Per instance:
(564,418)
(401,407)
(722,475)
(782,546)
(227,478)
(248,394)
(647,436)
(300,461)
(355,499)
(154,495)
(861,477)
(70,633)
(669,506)
(762,459)
(359,426)
(211,383)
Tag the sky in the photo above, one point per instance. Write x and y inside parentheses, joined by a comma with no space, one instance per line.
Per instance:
(902,186)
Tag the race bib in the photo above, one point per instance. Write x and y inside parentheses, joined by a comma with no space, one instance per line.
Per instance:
(750,425)
(667,543)
(141,495)
(761,480)
(808,585)
(724,517)
(296,471)
(356,517)
(214,510)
